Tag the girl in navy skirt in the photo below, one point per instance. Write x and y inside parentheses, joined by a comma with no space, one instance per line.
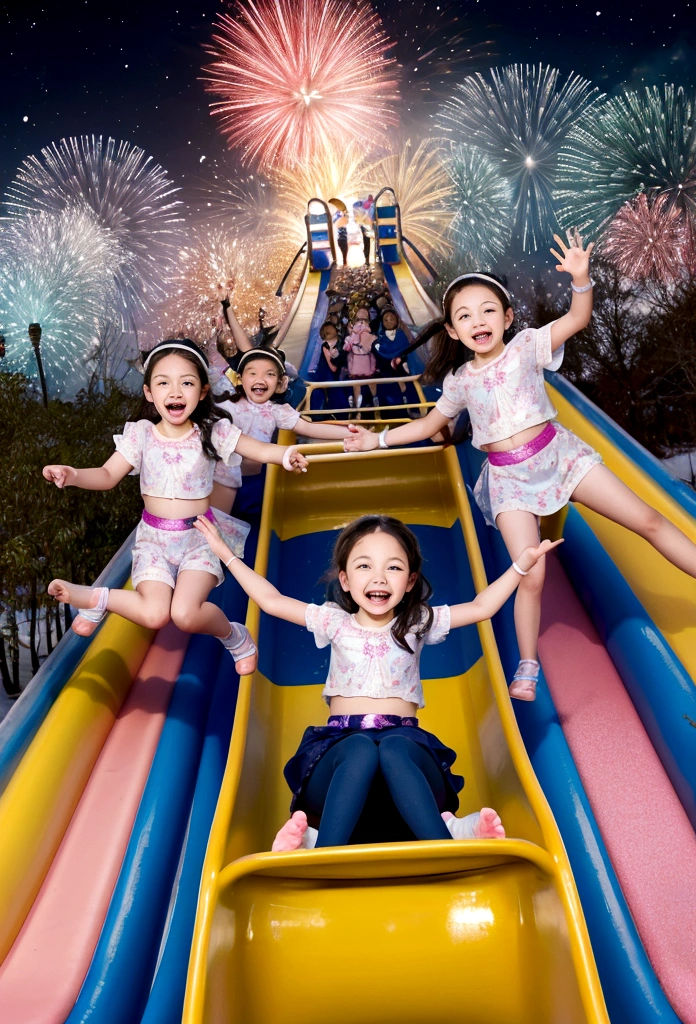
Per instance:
(376,623)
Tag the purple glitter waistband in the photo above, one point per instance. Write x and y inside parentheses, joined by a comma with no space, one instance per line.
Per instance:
(525,451)
(174,524)
(370,721)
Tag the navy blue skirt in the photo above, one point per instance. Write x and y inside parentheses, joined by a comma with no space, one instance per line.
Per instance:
(318,739)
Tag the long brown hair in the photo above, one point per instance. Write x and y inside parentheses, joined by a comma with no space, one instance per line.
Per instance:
(207,412)
(446,353)
(413,614)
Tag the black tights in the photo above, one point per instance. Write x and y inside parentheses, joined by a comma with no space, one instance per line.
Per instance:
(338,788)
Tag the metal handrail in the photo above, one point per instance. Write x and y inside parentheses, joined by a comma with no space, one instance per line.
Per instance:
(335,452)
(329,225)
(279,289)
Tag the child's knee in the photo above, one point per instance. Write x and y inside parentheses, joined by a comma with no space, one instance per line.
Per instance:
(155,618)
(395,749)
(533,582)
(359,748)
(186,617)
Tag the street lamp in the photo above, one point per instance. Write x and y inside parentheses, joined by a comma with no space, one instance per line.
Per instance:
(35,338)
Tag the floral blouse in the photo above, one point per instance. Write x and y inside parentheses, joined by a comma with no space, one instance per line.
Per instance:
(175,467)
(506,395)
(260,421)
(368,662)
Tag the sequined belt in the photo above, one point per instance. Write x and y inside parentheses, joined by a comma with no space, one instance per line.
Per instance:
(370,721)
(174,524)
(525,451)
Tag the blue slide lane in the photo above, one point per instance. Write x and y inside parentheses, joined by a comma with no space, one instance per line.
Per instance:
(118,982)
(20,726)
(632,992)
(318,318)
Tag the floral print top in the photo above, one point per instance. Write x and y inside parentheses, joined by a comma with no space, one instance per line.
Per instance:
(506,395)
(368,662)
(175,467)
(260,421)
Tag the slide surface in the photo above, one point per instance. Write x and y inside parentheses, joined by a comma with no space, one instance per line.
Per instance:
(463,908)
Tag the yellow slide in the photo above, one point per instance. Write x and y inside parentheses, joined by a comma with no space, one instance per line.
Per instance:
(415,933)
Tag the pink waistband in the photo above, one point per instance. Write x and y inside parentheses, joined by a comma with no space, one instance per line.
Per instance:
(525,451)
(174,524)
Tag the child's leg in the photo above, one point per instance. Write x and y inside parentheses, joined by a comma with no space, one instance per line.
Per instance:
(356,394)
(338,787)
(222,497)
(194,614)
(603,492)
(520,530)
(416,785)
(148,604)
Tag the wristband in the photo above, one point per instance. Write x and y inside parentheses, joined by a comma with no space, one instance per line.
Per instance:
(582,288)
(516,567)
(287,464)
(229,561)
(382,438)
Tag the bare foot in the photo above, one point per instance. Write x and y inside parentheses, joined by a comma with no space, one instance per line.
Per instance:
(73,593)
(242,648)
(290,836)
(245,666)
(489,825)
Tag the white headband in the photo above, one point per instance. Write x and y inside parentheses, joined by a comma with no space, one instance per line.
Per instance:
(477,277)
(184,348)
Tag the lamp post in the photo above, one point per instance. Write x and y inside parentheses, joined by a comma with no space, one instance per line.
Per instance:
(35,338)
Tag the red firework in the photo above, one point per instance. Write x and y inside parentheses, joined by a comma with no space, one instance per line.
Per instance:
(649,239)
(297,75)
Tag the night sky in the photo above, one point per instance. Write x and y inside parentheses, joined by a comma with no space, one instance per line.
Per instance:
(132,71)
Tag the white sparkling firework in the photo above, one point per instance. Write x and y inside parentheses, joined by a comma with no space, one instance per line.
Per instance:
(520,116)
(56,269)
(212,257)
(130,195)
(482,224)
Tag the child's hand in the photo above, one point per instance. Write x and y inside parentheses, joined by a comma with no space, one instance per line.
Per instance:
(359,439)
(396,363)
(213,537)
(61,476)
(294,461)
(530,556)
(574,259)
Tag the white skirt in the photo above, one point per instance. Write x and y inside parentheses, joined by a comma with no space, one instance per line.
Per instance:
(542,484)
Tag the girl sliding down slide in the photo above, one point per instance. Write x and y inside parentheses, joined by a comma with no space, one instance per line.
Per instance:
(174,445)
(535,466)
(377,623)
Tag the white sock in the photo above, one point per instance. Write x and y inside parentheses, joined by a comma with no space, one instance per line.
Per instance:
(309,839)
(463,828)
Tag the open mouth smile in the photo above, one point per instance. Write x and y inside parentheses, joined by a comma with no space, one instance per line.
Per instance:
(482,337)
(378,597)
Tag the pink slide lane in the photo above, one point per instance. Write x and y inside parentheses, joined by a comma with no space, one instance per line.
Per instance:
(43,973)
(648,835)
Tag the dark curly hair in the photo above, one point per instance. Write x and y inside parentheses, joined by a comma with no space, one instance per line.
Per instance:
(207,412)
(448,353)
(413,614)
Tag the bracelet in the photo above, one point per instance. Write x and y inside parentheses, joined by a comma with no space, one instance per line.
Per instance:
(229,561)
(582,288)
(287,464)
(516,567)
(383,438)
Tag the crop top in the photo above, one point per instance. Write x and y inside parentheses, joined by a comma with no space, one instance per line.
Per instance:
(368,662)
(175,467)
(260,421)
(506,395)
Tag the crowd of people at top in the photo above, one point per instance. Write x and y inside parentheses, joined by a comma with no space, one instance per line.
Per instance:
(362,339)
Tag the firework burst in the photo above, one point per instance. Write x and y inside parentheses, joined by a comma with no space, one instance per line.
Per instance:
(131,197)
(294,75)
(520,116)
(57,270)
(648,239)
(482,224)
(424,192)
(641,141)
(343,171)
(210,258)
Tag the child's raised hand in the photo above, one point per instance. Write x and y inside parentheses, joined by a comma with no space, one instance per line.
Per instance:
(61,476)
(359,439)
(573,259)
(530,556)
(213,537)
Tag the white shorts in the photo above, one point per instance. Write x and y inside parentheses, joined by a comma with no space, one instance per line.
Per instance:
(160,555)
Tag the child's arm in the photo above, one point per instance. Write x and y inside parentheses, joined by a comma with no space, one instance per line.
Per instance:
(239,335)
(492,599)
(264,451)
(326,431)
(361,440)
(573,260)
(266,596)
(102,479)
